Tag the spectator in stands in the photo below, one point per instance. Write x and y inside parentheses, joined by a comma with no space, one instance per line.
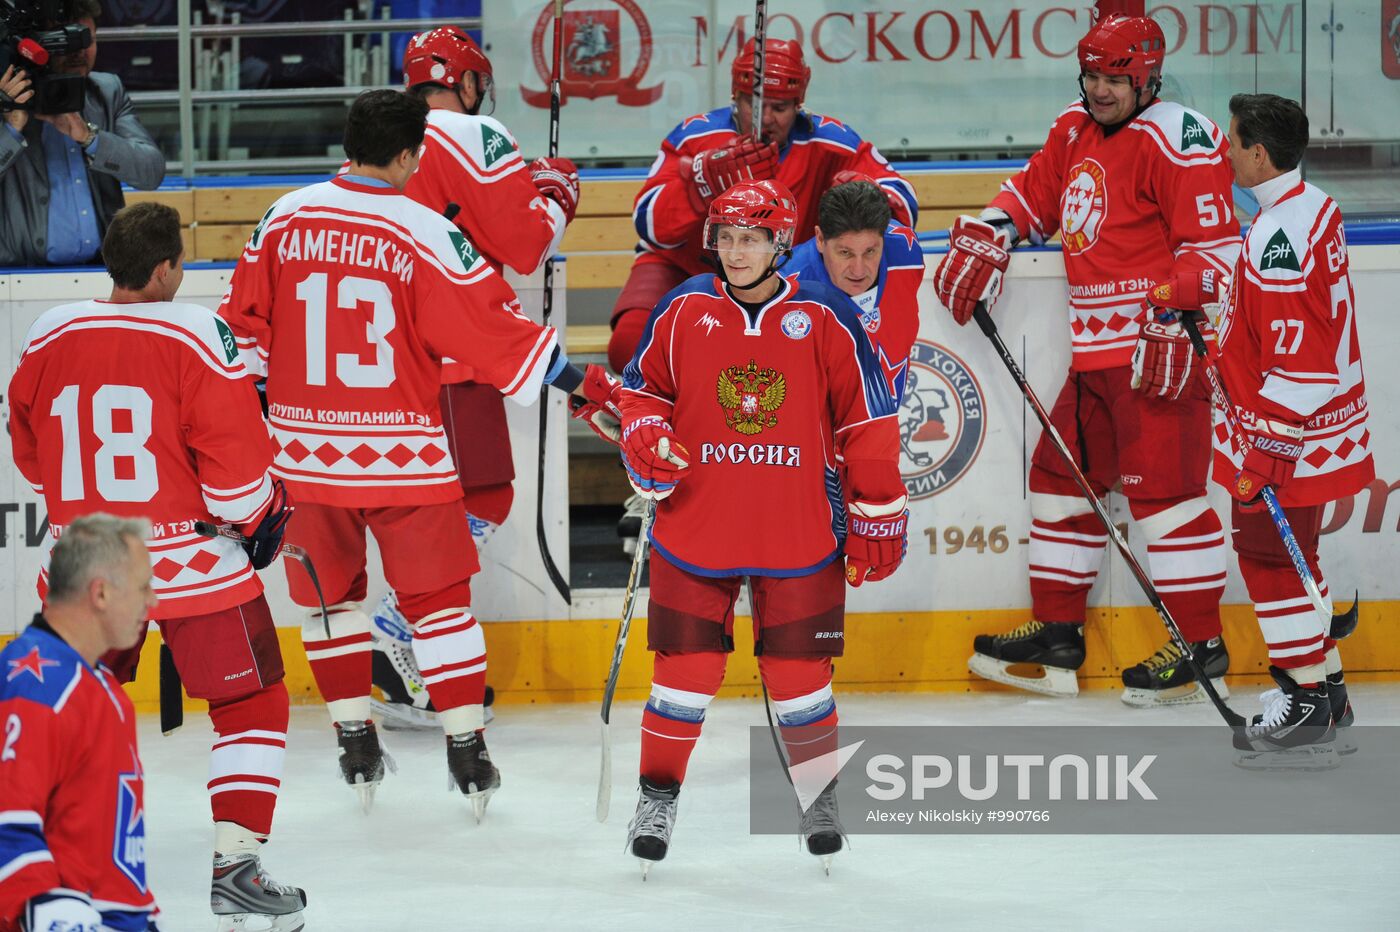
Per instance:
(61,174)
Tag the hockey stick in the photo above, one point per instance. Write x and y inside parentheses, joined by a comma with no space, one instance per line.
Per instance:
(1270,497)
(760,33)
(984,320)
(560,584)
(208,529)
(629,604)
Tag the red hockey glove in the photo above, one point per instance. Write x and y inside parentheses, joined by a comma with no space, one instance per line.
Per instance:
(877,537)
(973,268)
(898,208)
(264,539)
(717,170)
(600,407)
(1270,459)
(1163,360)
(1185,291)
(557,179)
(654,458)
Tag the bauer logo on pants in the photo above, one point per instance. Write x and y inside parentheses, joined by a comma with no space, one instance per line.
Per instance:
(941,420)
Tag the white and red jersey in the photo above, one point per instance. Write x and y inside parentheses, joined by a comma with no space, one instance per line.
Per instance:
(146,410)
(767,403)
(1132,207)
(818,147)
(1288,346)
(349,297)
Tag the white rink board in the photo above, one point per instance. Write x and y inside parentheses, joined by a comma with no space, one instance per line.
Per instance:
(520,592)
(988,494)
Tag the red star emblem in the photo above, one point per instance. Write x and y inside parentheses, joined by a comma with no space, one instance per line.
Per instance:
(890,369)
(698,118)
(130,784)
(908,234)
(829,121)
(31,662)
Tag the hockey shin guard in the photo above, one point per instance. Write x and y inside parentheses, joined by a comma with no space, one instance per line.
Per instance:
(451,655)
(683,686)
(800,689)
(339,651)
(1186,557)
(245,765)
(1067,544)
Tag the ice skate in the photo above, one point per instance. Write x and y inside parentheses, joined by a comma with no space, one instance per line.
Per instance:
(821,827)
(629,526)
(362,759)
(1342,715)
(649,832)
(245,899)
(1056,649)
(470,770)
(1294,732)
(1166,678)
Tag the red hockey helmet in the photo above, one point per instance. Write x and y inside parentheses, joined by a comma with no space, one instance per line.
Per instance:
(1130,45)
(785,74)
(757,205)
(442,56)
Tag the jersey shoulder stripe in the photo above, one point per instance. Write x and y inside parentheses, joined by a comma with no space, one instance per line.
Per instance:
(902,247)
(482,145)
(40,668)
(718,120)
(824,130)
(193,326)
(1185,136)
(838,305)
(702,284)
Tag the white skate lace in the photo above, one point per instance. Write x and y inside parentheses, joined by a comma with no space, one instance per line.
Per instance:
(272,886)
(821,817)
(1276,705)
(654,818)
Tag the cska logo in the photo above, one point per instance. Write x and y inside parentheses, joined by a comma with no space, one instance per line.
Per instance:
(1278,254)
(594,44)
(750,396)
(1193,133)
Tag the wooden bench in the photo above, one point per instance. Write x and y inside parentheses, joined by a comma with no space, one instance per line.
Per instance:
(599,243)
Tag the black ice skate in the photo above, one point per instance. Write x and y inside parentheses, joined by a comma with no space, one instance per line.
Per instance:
(821,827)
(649,833)
(1294,732)
(362,759)
(1057,649)
(1166,678)
(470,770)
(1342,715)
(243,897)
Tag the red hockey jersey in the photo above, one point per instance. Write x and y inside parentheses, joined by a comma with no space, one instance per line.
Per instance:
(146,410)
(818,147)
(1288,343)
(767,405)
(1131,208)
(348,297)
(72,808)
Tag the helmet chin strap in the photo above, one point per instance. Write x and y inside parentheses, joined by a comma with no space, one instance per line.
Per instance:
(779,260)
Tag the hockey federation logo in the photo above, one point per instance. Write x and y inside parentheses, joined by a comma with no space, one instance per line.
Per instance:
(1083,206)
(596,42)
(1279,254)
(751,397)
(796,324)
(941,420)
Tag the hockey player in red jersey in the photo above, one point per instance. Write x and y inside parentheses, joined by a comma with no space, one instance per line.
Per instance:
(72,808)
(755,388)
(140,406)
(1290,363)
(1139,191)
(513,213)
(349,297)
(708,152)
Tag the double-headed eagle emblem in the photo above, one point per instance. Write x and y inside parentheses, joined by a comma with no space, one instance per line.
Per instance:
(750,397)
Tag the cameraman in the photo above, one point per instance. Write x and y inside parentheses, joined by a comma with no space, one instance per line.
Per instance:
(61,174)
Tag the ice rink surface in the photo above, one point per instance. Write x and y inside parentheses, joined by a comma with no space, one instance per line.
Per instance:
(541,861)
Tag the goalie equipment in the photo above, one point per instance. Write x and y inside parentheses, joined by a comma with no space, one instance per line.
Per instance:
(715,171)
(785,72)
(649,832)
(1166,678)
(1126,45)
(362,759)
(1056,649)
(470,770)
(244,897)
(441,56)
(972,270)
(1295,731)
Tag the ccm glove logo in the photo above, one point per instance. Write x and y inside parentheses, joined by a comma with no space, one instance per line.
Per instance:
(983,248)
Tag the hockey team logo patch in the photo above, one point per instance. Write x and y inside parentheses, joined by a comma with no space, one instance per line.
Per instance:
(494,145)
(1279,254)
(796,325)
(129,845)
(941,420)
(597,40)
(226,340)
(751,397)
(465,251)
(1083,206)
(1193,133)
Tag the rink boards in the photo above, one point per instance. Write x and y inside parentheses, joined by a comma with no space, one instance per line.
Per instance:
(965,454)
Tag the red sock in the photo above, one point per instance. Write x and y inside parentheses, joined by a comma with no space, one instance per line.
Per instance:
(245,765)
(683,685)
(800,689)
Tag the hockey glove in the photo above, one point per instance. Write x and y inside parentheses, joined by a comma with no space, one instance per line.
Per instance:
(877,538)
(60,909)
(654,458)
(600,407)
(899,210)
(1275,447)
(1191,290)
(973,268)
(717,170)
(557,179)
(265,538)
(1163,360)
